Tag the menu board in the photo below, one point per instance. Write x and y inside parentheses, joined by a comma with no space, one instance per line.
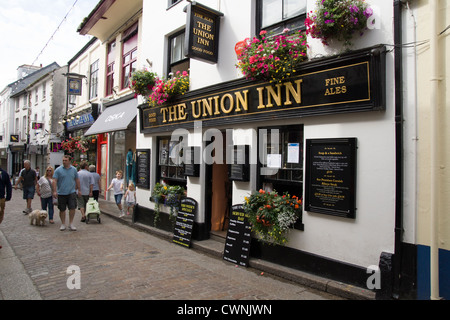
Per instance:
(185,222)
(331,176)
(237,243)
(143,168)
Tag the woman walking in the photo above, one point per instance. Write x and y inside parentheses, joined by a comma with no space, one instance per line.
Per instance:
(44,190)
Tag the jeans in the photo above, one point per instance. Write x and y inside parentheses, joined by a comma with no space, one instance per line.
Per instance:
(47,204)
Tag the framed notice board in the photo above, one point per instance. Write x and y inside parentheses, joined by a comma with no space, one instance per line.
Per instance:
(331,176)
(143,168)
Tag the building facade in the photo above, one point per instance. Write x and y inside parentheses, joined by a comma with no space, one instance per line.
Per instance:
(303,115)
(348,134)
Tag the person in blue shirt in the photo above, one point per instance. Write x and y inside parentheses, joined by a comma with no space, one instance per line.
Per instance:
(65,184)
(5,192)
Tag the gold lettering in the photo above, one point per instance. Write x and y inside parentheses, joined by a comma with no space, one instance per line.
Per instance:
(241,100)
(194,113)
(296,94)
(334,81)
(207,107)
(216,105)
(261,98)
(271,94)
(222,103)
(163,111)
(172,112)
(182,111)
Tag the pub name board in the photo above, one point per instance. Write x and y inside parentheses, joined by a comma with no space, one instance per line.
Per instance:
(202,33)
(346,84)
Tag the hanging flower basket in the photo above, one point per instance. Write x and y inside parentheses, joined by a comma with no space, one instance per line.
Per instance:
(338,20)
(271,214)
(142,82)
(77,144)
(271,58)
(165,90)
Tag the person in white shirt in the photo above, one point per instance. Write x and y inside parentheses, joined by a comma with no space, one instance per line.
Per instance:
(117,184)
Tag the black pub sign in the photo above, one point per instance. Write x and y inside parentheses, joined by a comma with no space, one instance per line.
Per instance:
(202,33)
(349,83)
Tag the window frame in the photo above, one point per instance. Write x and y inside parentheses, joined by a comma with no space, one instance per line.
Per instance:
(279,25)
(172,66)
(109,83)
(93,79)
(129,51)
(161,165)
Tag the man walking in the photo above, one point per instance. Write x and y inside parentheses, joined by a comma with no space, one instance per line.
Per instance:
(86,186)
(65,182)
(5,193)
(28,178)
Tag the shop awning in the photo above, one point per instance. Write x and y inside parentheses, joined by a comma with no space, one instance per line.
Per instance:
(115,118)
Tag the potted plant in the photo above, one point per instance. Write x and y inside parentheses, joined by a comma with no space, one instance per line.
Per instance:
(271,214)
(142,82)
(338,19)
(272,58)
(167,195)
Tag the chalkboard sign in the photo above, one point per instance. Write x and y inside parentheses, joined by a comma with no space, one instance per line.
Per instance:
(185,222)
(143,168)
(237,243)
(331,176)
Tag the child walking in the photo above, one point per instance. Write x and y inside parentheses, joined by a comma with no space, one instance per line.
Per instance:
(130,197)
(117,184)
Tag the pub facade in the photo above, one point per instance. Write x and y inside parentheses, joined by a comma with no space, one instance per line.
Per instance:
(328,135)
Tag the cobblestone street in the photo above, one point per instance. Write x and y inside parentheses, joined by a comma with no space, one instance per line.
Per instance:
(117,262)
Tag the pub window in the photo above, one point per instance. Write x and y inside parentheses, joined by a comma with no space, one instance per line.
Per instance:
(276,15)
(170,169)
(110,68)
(93,83)
(281,166)
(177,60)
(129,56)
(171,3)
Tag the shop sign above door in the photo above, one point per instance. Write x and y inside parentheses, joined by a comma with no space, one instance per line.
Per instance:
(351,83)
(202,33)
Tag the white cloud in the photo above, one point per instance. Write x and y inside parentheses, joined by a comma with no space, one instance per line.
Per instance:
(27,25)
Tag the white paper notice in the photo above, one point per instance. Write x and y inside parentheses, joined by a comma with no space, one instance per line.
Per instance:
(274,160)
(293,152)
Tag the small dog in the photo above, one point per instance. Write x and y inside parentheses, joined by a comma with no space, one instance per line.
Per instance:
(38,216)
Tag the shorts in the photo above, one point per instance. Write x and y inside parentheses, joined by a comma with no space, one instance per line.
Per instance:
(81,201)
(28,192)
(2,209)
(118,198)
(67,201)
(130,204)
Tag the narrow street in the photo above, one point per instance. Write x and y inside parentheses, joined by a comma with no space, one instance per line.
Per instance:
(111,261)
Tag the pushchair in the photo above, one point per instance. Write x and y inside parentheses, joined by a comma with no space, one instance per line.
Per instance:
(92,210)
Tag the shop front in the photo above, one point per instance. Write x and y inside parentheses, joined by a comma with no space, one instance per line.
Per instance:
(115,133)
(322,136)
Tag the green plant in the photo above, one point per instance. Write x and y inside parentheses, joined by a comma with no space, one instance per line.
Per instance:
(338,19)
(271,214)
(167,195)
(272,58)
(142,82)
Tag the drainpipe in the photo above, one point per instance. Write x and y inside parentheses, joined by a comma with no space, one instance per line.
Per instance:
(398,229)
(434,206)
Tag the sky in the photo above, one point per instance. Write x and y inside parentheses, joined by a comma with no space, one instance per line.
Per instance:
(27,25)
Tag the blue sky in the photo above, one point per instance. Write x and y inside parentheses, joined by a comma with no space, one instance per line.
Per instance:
(27,25)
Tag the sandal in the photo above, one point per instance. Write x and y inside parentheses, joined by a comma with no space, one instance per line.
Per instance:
(51,221)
